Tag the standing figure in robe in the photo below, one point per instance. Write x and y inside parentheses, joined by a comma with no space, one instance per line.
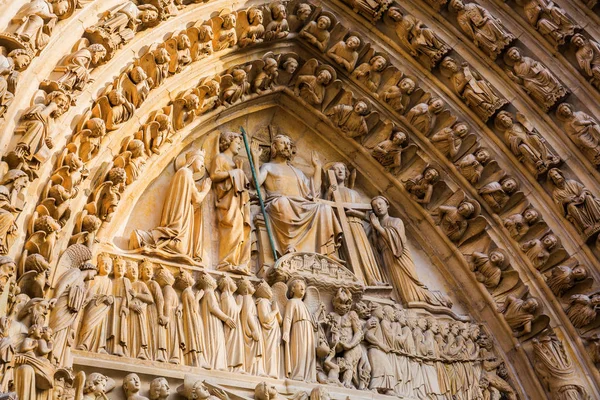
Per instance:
(192,339)
(117,320)
(253,339)
(169,323)
(213,318)
(270,321)
(94,325)
(299,223)
(69,299)
(364,250)
(156,337)
(389,239)
(299,335)
(179,235)
(233,205)
(234,337)
(138,314)
(382,376)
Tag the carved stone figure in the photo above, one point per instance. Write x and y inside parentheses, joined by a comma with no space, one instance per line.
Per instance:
(519,314)
(549,20)
(97,386)
(526,144)
(267,78)
(234,337)
(488,267)
(114,109)
(185,108)
(192,336)
(448,140)
(227,36)
(159,389)
(33,281)
(535,78)
(253,33)
(298,335)
(367,263)
(398,96)
(118,335)
(588,57)
(36,128)
(418,39)
(454,221)
(493,369)
(132,160)
(156,64)
(33,372)
(140,298)
(10,66)
(423,115)
(351,119)
(234,86)
(555,368)
(180,231)
(345,53)
(481,27)
(169,333)
(76,67)
(317,32)
(420,188)
(94,324)
(475,91)
(582,129)
(8,226)
(34,22)
(563,278)
(389,152)
(132,386)
(311,87)
(90,138)
(251,327)
(213,319)
(382,375)
(288,191)
(538,251)
(518,224)
(270,320)
(576,202)
(471,166)
(136,85)
(369,73)
(497,194)
(154,314)
(389,240)
(69,300)
(278,28)
(582,309)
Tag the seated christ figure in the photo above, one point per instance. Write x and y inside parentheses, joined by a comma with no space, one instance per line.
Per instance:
(298,222)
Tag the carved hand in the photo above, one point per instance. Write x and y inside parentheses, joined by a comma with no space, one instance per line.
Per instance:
(163,320)
(314,158)
(231,323)
(206,184)
(285,337)
(255,149)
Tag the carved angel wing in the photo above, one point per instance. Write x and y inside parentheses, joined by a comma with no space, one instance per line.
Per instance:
(280,294)
(171,47)
(313,302)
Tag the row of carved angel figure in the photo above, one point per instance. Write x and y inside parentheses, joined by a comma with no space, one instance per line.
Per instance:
(279,331)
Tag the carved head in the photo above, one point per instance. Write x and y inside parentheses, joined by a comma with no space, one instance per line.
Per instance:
(162,56)
(97,127)
(136,147)
(319,393)
(88,270)
(395,14)
(461,129)
(498,259)
(255,16)
(199,391)
(227,284)
(95,383)
(466,209)
(389,313)
(184,279)
(361,108)
(482,155)
(245,287)
(164,277)
(20,58)
(363,310)
(205,33)
(513,54)
(132,270)
(550,242)
(46,224)
(149,17)
(342,301)
(131,384)
(450,65)
(380,206)
(474,331)
(399,137)
(407,85)
(434,326)
(147,270)
(323,22)
(105,264)
(278,12)
(8,268)
(353,42)
(436,105)
(296,288)
(579,40)
(35,331)
(33,262)
(509,185)
(60,8)
(341,172)
(159,389)
(98,53)
(62,101)
(377,311)
(303,12)
(59,194)
(183,42)
(229,21)
(456,5)
(15,178)
(557,177)
(530,305)
(580,273)
(138,74)
(195,160)
(504,120)
(37,309)
(263,291)
(564,112)
(207,282)
(290,65)
(264,391)
(431,175)
(116,97)
(282,146)
(120,267)
(324,77)
(422,323)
